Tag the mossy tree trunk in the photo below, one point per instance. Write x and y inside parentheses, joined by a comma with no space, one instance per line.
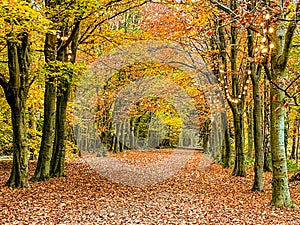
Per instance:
(16,91)
(236,108)
(42,171)
(279,58)
(280,190)
(57,165)
(59,149)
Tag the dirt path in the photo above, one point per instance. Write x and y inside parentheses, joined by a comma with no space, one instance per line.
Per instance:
(193,196)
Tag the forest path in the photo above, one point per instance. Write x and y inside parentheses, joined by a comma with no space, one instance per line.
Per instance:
(193,196)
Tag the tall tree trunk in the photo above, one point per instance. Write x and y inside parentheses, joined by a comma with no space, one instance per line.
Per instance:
(258,142)
(226,149)
(116,143)
(237,109)
(279,58)
(64,90)
(19,173)
(16,91)
(206,133)
(42,171)
(266,145)
(280,191)
(250,131)
(239,164)
(297,144)
(59,151)
(255,74)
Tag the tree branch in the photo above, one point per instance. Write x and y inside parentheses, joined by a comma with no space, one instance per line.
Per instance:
(288,40)
(83,39)
(230,12)
(74,31)
(294,97)
(224,8)
(287,44)
(285,92)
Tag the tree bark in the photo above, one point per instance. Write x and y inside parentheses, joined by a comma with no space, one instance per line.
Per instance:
(279,59)
(16,91)
(19,173)
(226,149)
(250,131)
(286,131)
(42,171)
(258,142)
(239,165)
(266,122)
(295,129)
(59,150)
(280,190)
(64,90)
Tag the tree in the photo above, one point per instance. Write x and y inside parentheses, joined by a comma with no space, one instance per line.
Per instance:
(42,171)
(276,40)
(281,39)
(17,32)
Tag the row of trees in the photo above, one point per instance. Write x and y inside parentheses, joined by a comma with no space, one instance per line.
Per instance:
(51,27)
(260,34)
(245,43)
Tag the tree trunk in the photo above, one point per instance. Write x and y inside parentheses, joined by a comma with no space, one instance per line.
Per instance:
(250,131)
(122,138)
(116,146)
(226,149)
(282,40)
(238,109)
(206,134)
(258,142)
(239,165)
(286,131)
(42,171)
(19,173)
(64,90)
(59,151)
(280,190)
(266,145)
(16,90)
(297,144)
(293,152)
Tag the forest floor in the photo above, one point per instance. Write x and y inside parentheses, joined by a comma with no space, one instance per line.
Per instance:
(193,196)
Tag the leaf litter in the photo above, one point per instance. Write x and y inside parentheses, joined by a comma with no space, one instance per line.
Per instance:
(194,195)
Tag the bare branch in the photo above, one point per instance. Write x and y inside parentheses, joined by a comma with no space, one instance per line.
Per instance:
(293,82)
(230,12)
(285,90)
(88,34)
(224,8)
